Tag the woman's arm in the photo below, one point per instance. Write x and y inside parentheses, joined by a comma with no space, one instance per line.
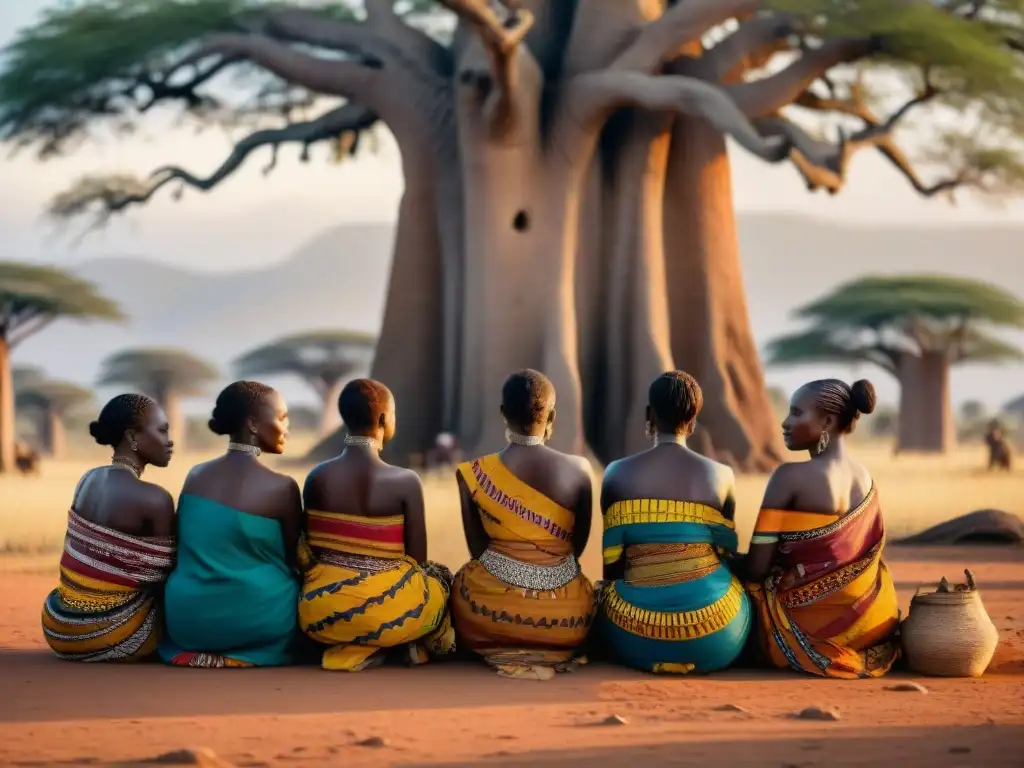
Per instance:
(616,570)
(584,513)
(415,518)
(777,495)
(292,520)
(477,539)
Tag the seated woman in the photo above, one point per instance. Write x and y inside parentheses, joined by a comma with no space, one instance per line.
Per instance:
(669,603)
(522,602)
(825,600)
(230,601)
(119,545)
(368,585)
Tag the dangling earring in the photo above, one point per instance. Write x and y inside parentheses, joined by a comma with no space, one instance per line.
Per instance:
(134,445)
(549,430)
(823,442)
(649,432)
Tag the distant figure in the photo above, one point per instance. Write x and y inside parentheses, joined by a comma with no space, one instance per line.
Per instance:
(825,599)
(26,458)
(368,584)
(231,599)
(1000,455)
(669,603)
(119,546)
(445,453)
(522,603)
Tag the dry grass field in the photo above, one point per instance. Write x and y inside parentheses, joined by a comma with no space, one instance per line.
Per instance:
(917,492)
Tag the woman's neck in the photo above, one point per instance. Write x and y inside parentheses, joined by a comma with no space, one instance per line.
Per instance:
(836,449)
(663,438)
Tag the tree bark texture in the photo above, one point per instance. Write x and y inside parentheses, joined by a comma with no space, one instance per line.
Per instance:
(926,423)
(710,325)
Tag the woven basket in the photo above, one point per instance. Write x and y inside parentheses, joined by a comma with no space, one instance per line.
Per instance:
(948,634)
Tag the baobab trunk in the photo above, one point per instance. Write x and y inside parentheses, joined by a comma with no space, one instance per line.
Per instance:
(6,409)
(56,441)
(637,336)
(926,422)
(710,325)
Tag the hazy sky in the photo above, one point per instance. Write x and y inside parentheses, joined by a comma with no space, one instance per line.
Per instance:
(252,220)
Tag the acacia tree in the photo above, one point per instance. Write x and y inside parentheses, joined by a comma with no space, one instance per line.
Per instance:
(53,400)
(322,359)
(32,296)
(915,328)
(166,375)
(567,198)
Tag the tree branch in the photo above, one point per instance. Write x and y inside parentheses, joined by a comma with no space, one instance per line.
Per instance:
(823,164)
(502,40)
(384,37)
(120,194)
(351,79)
(753,43)
(766,96)
(431,54)
(22,331)
(683,23)
(592,98)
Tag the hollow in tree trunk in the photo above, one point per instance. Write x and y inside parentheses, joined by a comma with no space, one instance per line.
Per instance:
(710,325)
(926,422)
(6,408)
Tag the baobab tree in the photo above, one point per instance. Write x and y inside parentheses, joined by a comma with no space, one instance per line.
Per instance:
(324,360)
(33,296)
(567,199)
(914,328)
(52,401)
(166,375)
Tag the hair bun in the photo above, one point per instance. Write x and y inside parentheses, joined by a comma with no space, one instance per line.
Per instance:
(862,393)
(216,425)
(99,434)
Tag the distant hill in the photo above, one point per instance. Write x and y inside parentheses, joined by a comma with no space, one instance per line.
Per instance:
(339,278)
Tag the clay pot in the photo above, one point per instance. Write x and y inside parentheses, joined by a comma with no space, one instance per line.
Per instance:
(949,633)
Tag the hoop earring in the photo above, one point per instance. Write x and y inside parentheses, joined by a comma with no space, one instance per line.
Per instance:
(823,442)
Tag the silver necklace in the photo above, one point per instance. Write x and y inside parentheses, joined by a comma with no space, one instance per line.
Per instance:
(252,450)
(362,441)
(528,440)
(120,462)
(677,439)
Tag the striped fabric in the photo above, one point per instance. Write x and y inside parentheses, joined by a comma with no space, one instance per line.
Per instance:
(105,608)
(380,537)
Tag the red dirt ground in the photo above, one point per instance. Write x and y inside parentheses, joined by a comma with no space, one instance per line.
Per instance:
(59,713)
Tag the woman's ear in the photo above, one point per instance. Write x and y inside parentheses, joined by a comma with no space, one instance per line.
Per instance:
(250,424)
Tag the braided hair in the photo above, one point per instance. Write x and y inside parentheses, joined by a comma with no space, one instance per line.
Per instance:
(527,398)
(675,399)
(120,414)
(236,403)
(361,404)
(844,401)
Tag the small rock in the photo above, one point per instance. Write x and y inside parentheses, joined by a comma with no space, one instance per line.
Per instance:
(817,713)
(614,720)
(201,756)
(375,742)
(730,708)
(959,750)
(908,687)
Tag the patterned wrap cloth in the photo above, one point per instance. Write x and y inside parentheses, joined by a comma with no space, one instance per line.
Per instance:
(361,593)
(679,609)
(524,606)
(107,606)
(829,607)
